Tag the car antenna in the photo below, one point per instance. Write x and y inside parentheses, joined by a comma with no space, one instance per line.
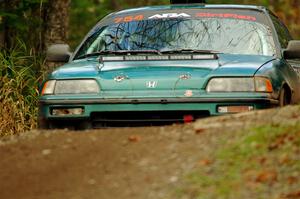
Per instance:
(186,1)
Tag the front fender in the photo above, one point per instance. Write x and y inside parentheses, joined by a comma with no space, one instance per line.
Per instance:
(280,73)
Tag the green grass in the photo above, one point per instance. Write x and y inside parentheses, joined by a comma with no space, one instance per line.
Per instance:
(258,163)
(19,79)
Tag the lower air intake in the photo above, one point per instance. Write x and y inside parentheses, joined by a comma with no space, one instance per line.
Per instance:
(144,118)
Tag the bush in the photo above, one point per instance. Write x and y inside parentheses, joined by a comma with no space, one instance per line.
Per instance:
(19,77)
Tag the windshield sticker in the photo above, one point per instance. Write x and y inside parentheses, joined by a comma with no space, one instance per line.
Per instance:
(169,15)
(140,17)
(226,15)
(129,18)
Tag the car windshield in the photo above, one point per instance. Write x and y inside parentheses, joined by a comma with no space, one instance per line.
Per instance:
(223,35)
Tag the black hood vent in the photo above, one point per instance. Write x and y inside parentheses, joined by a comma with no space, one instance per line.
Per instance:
(186,1)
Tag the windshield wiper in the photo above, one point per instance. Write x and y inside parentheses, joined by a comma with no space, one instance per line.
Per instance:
(134,52)
(119,52)
(129,52)
(187,50)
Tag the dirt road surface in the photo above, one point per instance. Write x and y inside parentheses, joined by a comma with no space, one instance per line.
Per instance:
(127,163)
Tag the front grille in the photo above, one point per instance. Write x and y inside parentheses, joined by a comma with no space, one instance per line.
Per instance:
(144,118)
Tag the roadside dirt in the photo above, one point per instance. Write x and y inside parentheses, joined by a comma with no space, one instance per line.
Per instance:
(127,163)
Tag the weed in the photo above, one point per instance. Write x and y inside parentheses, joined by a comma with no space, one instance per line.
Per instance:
(19,78)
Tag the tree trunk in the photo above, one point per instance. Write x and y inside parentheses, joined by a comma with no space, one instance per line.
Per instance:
(57,22)
(57,19)
(2,41)
(2,24)
(8,32)
(114,5)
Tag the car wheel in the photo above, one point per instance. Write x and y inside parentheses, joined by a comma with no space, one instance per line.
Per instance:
(84,125)
(46,125)
(284,97)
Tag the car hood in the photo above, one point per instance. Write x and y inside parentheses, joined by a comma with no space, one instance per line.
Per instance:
(161,75)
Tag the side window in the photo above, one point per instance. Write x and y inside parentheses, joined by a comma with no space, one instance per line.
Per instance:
(282,32)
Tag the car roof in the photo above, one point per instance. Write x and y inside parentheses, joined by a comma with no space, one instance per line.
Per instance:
(191,6)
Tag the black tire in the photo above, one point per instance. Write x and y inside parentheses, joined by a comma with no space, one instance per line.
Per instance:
(44,124)
(284,97)
(84,125)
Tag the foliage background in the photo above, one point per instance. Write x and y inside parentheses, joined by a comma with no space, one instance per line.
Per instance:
(84,14)
(24,18)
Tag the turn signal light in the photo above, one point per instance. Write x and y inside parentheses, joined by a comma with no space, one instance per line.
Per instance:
(263,84)
(234,109)
(48,87)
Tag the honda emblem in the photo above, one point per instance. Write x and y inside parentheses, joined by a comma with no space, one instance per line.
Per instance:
(151,84)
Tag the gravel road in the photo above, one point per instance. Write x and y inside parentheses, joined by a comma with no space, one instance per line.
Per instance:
(127,163)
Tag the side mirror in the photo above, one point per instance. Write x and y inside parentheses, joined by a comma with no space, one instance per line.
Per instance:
(58,53)
(293,50)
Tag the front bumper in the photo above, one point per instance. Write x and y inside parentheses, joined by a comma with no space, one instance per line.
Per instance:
(157,101)
(90,106)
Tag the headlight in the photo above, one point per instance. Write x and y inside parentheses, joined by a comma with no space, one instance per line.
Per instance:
(87,86)
(49,87)
(263,84)
(234,84)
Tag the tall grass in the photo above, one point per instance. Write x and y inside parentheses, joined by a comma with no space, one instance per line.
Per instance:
(19,79)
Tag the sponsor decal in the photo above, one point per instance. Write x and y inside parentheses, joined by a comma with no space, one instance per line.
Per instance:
(129,18)
(141,17)
(188,93)
(120,78)
(185,76)
(169,15)
(225,15)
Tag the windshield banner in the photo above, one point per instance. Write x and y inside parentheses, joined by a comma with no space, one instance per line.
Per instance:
(248,15)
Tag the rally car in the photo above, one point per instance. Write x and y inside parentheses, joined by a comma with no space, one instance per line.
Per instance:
(172,63)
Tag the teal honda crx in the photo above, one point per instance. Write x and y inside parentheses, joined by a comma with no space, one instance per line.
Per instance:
(172,63)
